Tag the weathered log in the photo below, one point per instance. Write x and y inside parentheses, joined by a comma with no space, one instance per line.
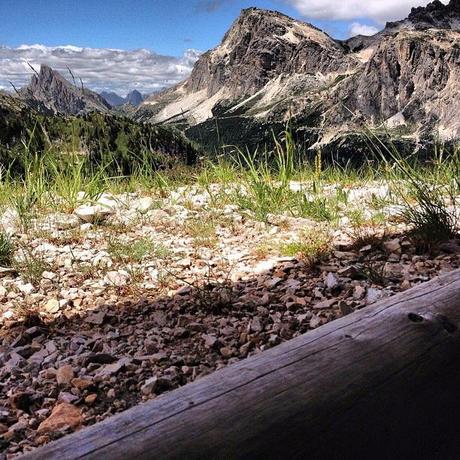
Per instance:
(383,382)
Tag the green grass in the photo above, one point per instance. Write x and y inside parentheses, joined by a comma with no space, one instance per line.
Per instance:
(31,266)
(258,183)
(202,231)
(312,246)
(135,251)
(6,250)
(429,192)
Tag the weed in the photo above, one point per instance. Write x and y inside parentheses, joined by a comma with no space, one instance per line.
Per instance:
(135,251)
(31,266)
(202,231)
(312,247)
(6,250)
(429,196)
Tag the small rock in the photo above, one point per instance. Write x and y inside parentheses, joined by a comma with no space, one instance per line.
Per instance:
(26,289)
(209,340)
(90,399)
(393,246)
(64,375)
(117,278)
(81,384)
(10,222)
(373,295)
(331,281)
(144,204)
(97,318)
(52,306)
(272,282)
(149,386)
(93,214)
(325,304)
(64,415)
(257,324)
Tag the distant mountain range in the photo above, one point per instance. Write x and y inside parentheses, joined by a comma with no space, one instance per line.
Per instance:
(134,98)
(270,68)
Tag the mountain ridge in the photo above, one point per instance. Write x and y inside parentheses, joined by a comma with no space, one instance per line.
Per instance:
(270,68)
(134,97)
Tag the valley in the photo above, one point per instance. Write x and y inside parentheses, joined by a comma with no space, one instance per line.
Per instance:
(152,239)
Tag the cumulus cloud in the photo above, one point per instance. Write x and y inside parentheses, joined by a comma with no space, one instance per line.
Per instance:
(362,29)
(99,68)
(378,10)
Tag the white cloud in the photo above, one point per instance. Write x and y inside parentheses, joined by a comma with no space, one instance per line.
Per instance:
(362,29)
(99,68)
(378,10)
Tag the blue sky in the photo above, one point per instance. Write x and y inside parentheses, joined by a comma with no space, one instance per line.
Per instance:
(166,28)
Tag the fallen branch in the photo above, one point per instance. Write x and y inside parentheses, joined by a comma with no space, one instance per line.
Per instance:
(382,382)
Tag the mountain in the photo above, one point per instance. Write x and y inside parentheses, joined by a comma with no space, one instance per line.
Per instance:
(133,98)
(270,68)
(112,98)
(50,90)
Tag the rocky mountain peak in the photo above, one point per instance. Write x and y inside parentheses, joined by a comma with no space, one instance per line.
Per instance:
(134,98)
(51,90)
(434,15)
(47,78)
(260,45)
(270,68)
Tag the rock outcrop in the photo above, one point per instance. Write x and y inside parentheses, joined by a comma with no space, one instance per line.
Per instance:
(270,68)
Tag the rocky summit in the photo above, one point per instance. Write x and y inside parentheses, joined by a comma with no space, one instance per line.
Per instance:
(51,92)
(270,68)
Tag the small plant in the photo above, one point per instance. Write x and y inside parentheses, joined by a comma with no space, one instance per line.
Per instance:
(213,292)
(135,251)
(264,249)
(202,231)
(319,209)
(6,250)
(31,266)
(366,231)
(313,246)
(429,195)
(374,272)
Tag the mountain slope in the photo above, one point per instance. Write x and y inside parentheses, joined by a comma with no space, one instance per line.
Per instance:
(118,142)
(112,98)
(51,90)
(263,55)
(270,68)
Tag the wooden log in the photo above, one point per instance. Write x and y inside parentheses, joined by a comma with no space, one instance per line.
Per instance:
(383,382)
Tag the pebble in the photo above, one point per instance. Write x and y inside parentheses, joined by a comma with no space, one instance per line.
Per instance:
(106,332)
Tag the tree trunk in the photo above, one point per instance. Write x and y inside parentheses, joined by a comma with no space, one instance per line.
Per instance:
(383,382)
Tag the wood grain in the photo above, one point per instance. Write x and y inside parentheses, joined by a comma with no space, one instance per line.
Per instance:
(383,382)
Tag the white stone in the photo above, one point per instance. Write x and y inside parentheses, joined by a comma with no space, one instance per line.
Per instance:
(144,204)
(149,386)
(48,275)
(52,306)
(26,288)
(10,222)
(91,214)
(117,278)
